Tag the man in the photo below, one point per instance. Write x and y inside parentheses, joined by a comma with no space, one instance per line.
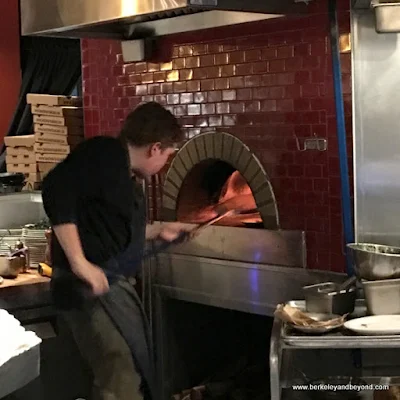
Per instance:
(97,212)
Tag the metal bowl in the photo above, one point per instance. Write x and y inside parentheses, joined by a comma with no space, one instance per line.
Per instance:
(375,262)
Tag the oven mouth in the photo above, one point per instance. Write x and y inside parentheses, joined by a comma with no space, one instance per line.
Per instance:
(215,172)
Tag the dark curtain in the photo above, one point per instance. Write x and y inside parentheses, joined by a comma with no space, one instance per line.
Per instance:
(49,66)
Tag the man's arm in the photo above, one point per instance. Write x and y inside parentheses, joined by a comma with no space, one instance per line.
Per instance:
(168,231)
(68,237)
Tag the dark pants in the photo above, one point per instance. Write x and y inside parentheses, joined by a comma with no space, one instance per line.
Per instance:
(106,352)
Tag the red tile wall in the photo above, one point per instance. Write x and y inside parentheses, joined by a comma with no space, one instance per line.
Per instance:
(267,83)
(10,66)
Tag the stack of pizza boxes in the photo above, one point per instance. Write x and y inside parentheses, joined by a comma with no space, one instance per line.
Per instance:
(58,128)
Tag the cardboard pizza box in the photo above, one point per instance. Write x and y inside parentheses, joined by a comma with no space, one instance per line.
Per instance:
(52,148)
(59,130)
(19,141)
(57,121)
(50,158)
(45,167)
(52,100)
(22,168)
(57,139)
(21,158)
(17,151)
(54,111)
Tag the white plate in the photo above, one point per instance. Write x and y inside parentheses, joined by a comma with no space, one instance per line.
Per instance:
(375,325)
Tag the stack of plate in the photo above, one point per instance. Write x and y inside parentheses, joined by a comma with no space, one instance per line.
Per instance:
(35,240)
(9,237)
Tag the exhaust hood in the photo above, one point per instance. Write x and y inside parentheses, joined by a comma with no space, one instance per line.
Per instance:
(138,19)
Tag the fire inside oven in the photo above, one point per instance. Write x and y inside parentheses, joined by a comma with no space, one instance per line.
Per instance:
(212,186)
(216,172)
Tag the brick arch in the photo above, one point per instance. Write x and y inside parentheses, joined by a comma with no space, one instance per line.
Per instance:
(225,147)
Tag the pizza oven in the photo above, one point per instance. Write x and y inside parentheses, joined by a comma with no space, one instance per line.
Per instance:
(213,293)
(216,169)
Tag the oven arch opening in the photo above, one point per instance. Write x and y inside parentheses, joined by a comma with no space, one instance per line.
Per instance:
(214,168)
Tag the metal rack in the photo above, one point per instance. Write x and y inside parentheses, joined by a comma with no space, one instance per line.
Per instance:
(284,338)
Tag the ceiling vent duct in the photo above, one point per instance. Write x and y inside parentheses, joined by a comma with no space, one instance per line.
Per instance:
(138,19)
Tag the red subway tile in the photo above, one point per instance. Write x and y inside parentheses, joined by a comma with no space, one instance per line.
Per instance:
(221,83)
(259,67)
(153,67)
(140,67)
(173,98)
(200,73)
(292,91)
(284,105)
(236,57)
(227,120)
(147,78)
(310,117)
(309,90)
(226,70)
(302,49)
(185,74)
(222,58)
(252,81)
(214,96)
(252,55)
(186,98)
(185,51)
(244,69)
(269,53)
(167,87)
(243,94)
(228,95)
(222,108)
(193,86)
(236,82)
(166,66)
(276,66)
(207,60)
(207,109)
(252,106)
(199,49)
(141,90)
(311,62)
(194,109)
(180,111)
(200,97)
(319,48)
(213,48)
(236,107)
(154,88)
(285,52)
(179,63)
(321,184)
(180,87)
(215,120)
(207,84)
(268,105)
(161,99)
(301,104)
(192,62)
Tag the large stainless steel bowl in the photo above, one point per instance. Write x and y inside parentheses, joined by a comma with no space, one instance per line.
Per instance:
(375,262)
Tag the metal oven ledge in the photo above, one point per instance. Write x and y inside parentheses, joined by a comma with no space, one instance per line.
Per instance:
(247,287)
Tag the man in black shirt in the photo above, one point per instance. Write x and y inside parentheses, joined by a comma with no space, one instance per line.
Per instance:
(97,212)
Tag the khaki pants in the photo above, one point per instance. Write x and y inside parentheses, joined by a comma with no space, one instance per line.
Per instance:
(106,352)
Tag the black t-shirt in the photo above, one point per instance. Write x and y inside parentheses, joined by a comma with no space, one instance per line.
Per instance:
(93,189)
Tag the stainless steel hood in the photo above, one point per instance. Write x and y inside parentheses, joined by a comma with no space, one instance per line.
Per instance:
(136,19)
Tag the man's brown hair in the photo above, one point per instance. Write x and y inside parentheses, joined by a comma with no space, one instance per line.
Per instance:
(151,123)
